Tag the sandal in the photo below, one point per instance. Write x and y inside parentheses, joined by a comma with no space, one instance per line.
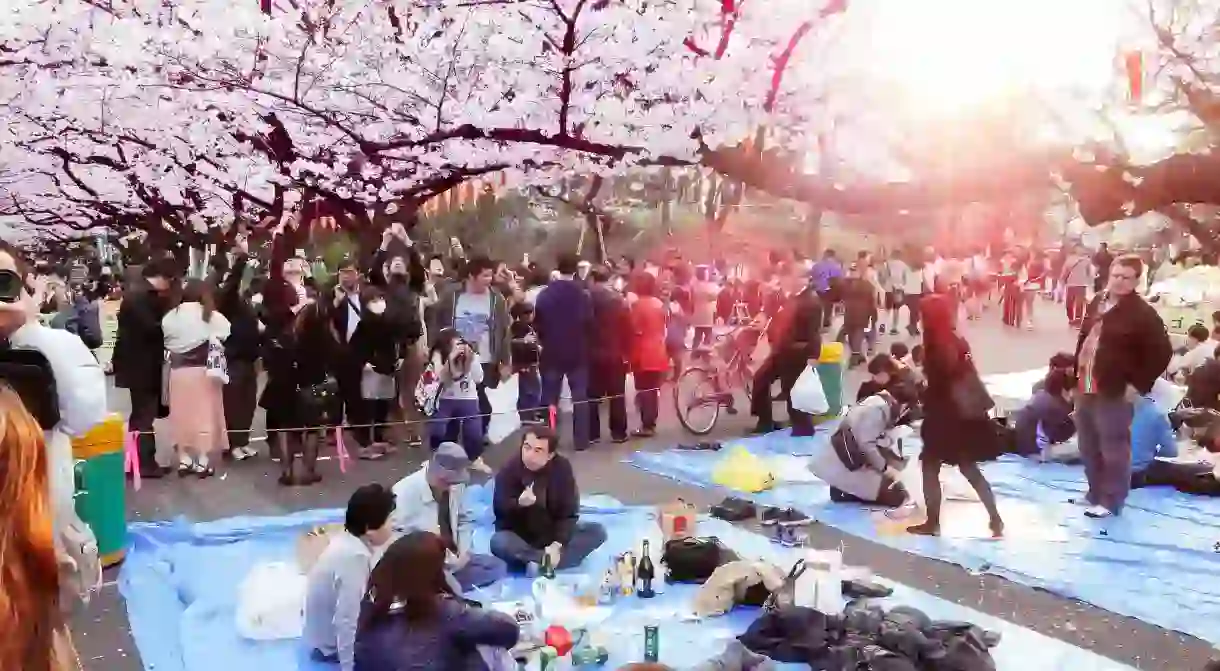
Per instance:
(203,471)
(186,467)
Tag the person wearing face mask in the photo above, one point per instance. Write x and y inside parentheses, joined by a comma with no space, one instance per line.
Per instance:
(378,354)
(137,357)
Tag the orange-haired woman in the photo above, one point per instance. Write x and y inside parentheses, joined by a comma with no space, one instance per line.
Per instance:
(34,635)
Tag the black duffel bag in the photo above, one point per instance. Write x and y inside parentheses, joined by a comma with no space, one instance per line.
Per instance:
(693,560)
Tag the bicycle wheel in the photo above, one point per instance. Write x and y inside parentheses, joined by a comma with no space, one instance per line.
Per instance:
(696,402)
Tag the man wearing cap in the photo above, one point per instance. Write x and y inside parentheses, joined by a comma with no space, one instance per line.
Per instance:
(433,499)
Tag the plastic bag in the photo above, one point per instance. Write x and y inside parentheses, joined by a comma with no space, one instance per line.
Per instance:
(807,394)
(820,585)
(744,471)
(271,603)
(504,416)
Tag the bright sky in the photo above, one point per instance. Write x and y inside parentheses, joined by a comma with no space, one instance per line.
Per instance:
(951,55)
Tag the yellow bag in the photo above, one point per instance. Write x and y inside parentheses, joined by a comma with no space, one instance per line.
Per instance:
(743,471)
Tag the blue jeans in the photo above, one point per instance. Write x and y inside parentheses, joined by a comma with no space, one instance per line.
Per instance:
(463,416)
(516,553)
(529,395)
(578,382)
(480,571)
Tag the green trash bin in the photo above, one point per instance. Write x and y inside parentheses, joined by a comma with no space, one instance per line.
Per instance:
(101,495)
(830,372)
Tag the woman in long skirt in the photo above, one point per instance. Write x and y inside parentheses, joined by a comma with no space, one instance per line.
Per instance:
(196,395)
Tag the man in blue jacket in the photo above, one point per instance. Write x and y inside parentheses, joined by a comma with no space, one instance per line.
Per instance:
(563,319)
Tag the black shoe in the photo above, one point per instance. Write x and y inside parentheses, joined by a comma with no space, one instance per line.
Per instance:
(854,589)
(155,472)
(706,446)
(619,440)
(733,509)
(762,428)
(784,517)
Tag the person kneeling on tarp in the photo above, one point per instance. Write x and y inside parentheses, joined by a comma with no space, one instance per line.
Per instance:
(432,499)
(337,581)
(537,506)
(1152,443)
(858,462)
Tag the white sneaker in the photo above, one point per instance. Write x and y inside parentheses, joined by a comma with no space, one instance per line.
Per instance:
(1098,512)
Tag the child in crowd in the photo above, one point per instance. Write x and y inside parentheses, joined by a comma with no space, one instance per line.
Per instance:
(457,410)
(677,322)
(525,352)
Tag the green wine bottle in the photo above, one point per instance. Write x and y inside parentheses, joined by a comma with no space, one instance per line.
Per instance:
(548,568)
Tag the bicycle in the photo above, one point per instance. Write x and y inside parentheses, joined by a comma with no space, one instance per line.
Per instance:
(716,378)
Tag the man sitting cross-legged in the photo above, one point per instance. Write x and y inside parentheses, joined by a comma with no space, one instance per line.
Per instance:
(537,507)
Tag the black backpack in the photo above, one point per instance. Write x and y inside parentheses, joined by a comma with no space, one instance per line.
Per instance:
(29,373)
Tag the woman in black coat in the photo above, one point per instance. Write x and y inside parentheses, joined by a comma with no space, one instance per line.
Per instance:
(956,429)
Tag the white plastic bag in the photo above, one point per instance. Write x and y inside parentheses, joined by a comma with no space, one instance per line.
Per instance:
(820,586)
(271,603)
(504,416)
(807,394)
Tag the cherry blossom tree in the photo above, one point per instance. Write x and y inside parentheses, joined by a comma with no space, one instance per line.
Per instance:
(182,118)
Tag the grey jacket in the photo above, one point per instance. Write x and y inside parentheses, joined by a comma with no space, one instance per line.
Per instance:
(440,316)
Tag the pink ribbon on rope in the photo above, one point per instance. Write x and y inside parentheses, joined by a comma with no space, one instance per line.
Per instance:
(131,457)
(341,450)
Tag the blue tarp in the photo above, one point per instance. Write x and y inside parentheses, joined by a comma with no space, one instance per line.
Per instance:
(181,579)
(1146,564)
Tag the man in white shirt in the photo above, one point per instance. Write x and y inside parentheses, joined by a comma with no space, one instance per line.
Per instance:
(896,277)
(338,580)
(1200,348)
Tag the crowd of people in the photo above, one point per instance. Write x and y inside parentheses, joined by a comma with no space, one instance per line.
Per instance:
(404,346)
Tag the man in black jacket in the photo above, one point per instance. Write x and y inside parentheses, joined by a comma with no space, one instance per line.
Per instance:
(537,508)
(1122,350)
(795,339)
(609,352)
(137,357)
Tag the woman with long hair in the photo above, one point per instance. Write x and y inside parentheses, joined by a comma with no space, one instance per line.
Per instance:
(196,398)
(411,619)
(956,429)
(30,617)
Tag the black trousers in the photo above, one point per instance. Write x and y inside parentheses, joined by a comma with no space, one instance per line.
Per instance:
(648,397)
(145,407)
(608,384)
(1168,474)
(240,398)
(786,368)
(356,410)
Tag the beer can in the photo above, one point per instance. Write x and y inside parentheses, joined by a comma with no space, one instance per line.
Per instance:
(652,643)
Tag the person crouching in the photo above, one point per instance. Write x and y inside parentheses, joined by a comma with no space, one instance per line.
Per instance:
(859,462)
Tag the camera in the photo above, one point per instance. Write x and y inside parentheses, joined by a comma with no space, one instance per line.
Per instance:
(10,286)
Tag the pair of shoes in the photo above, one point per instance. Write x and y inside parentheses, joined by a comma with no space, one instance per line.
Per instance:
(369,454)
(643,433)
(733,509)
(241,453)
(784,517)
(619,440)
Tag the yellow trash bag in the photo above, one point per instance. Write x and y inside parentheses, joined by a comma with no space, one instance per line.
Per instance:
(742,470)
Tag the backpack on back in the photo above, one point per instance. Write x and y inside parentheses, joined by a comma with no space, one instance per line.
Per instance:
(29,373)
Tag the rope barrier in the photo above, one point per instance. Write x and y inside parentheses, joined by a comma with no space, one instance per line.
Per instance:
(552,411)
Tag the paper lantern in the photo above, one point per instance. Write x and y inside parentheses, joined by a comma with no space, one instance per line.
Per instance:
(1133,64)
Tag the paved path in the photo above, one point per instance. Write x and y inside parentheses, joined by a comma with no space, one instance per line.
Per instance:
(250,488)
